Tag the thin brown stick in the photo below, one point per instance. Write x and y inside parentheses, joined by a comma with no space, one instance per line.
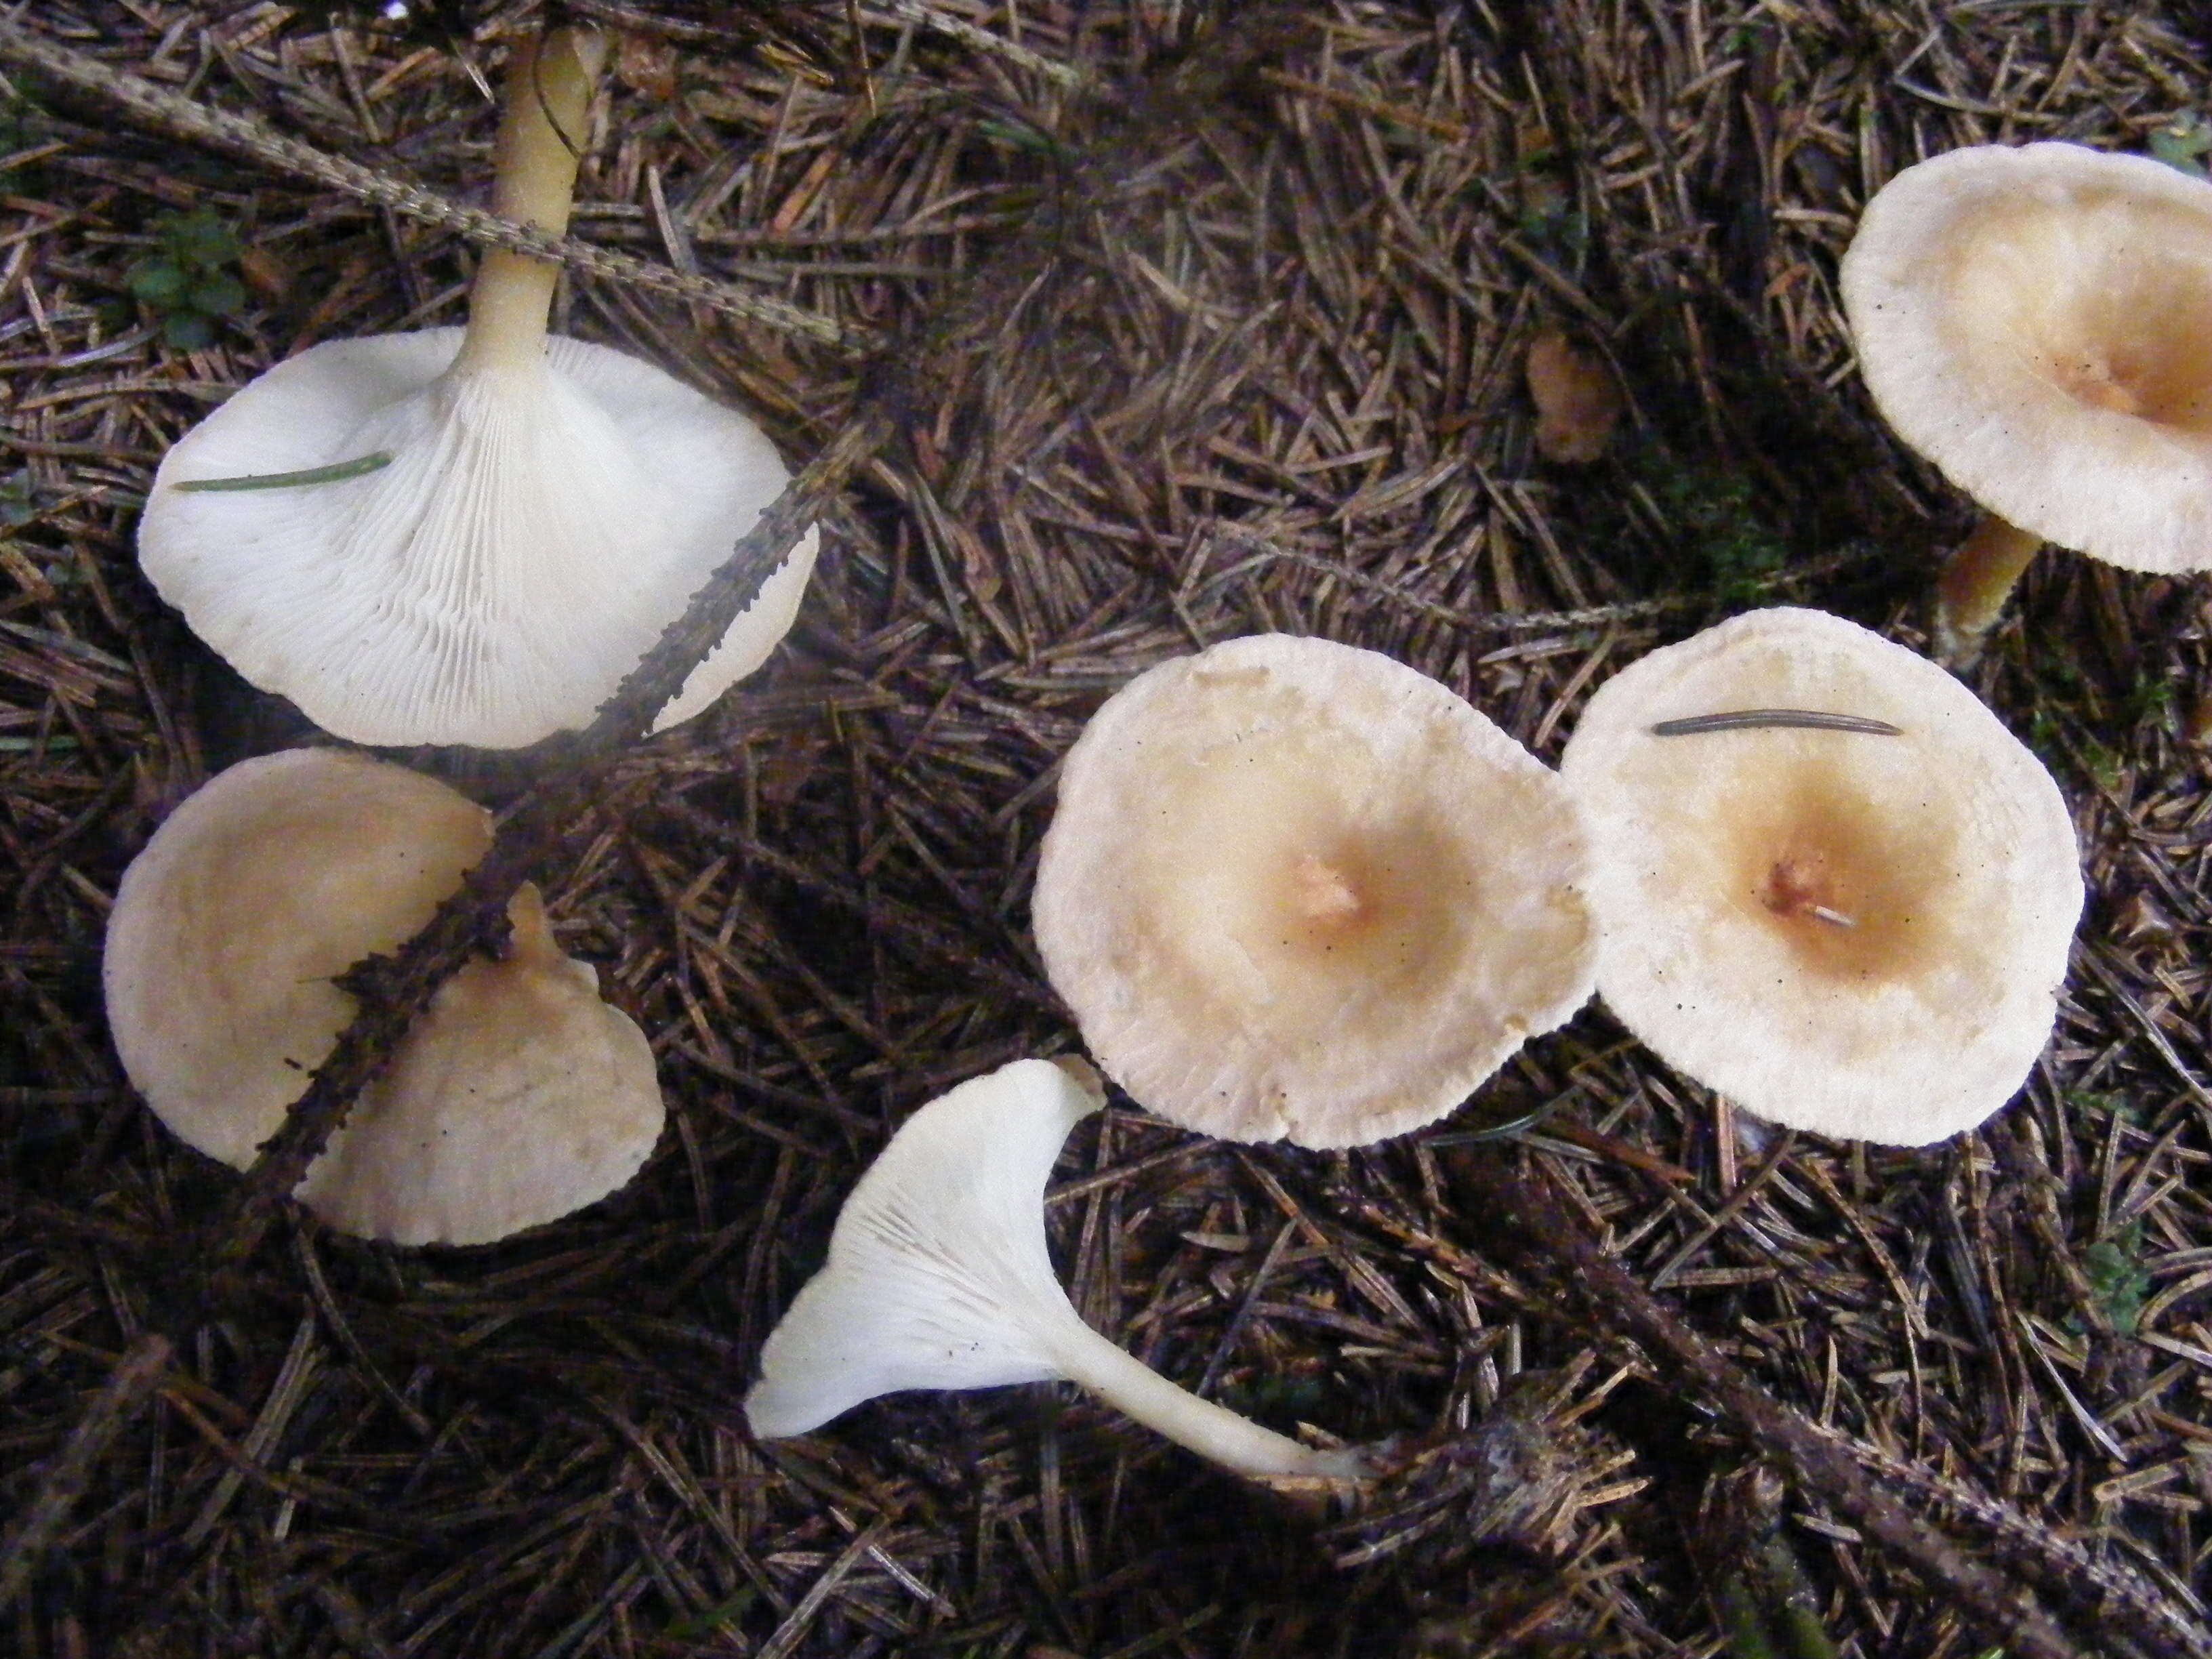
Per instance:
(1526,1204)
(190,119)
(129,1386)
(2129,1603)
(394,990)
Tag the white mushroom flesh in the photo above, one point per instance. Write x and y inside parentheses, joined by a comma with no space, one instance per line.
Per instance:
(1295,889)
(1858,934)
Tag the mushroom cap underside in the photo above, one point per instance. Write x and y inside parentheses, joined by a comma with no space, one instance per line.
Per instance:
(1862,935)
(937,1275)
(2038,322)
(1295,889)
(535,529)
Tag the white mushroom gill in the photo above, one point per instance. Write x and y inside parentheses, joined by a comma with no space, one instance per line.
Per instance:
(549,506)
(939,1277)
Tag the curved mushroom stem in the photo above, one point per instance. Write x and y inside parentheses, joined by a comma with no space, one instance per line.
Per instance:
(1214,1433)
(1976,579)
(542,129)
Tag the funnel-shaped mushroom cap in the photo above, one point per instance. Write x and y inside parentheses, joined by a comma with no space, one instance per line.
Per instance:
(2038,322)
(1297,889)
(539,523)
(1857,933)
(518,1096)
(937,1275)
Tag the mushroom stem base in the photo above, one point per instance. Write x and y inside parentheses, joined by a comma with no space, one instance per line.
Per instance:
(1212,1432)
(1976,579)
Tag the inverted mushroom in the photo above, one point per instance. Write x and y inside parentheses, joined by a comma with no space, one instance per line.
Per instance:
(503,524)
(519,1097)
(2038,322)
(1295,889)
(1829,882)
(939,1277)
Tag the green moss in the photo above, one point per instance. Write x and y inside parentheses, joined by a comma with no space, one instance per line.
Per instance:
(191,282)
(1714,520)
(2117,1278)
(2182,142)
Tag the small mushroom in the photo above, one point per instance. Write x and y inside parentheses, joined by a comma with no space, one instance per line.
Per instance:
(519,1097)
(1297,889)
(1579,402)
(469,536)
(939,1277)
(1829,882)
(2033,321)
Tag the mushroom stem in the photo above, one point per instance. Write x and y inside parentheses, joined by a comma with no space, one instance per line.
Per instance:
(529,931)
(543,126)
(1976,579)
(939,1277)
(1214,1433)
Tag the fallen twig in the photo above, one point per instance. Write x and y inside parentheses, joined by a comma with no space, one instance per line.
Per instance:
(191,119)
(1524,1202)
(393,990)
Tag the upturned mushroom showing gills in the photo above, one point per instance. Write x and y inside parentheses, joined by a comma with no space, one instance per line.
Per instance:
(2038,323)
(519,1097)
(1830,885)
(1294,889)
(939,1277)
(469,535)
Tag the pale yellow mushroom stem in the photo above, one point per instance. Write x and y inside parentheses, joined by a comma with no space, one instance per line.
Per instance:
(530,933)
(1976,579)
(543,122)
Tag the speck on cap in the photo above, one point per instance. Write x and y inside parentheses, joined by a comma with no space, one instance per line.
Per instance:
(540,522)
(517,1097)
(1861,935)
(2038,322)
(1294,889)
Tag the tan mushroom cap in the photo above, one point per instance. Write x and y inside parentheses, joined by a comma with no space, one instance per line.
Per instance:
(1297,890)
(1857,934)
(2038,322)
(517,1097)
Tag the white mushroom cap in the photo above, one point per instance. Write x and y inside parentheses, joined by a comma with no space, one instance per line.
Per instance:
(1862,935)
(517,1097)
(539,525)
(1297,889)
(2034,321)
(939,1277)
(546,510)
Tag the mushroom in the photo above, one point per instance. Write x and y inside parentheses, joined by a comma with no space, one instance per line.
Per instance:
(469,535)
(1579,403)
(939,1277)
(1297,889)
(2034,321)
(1829,882)
(519,1097)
